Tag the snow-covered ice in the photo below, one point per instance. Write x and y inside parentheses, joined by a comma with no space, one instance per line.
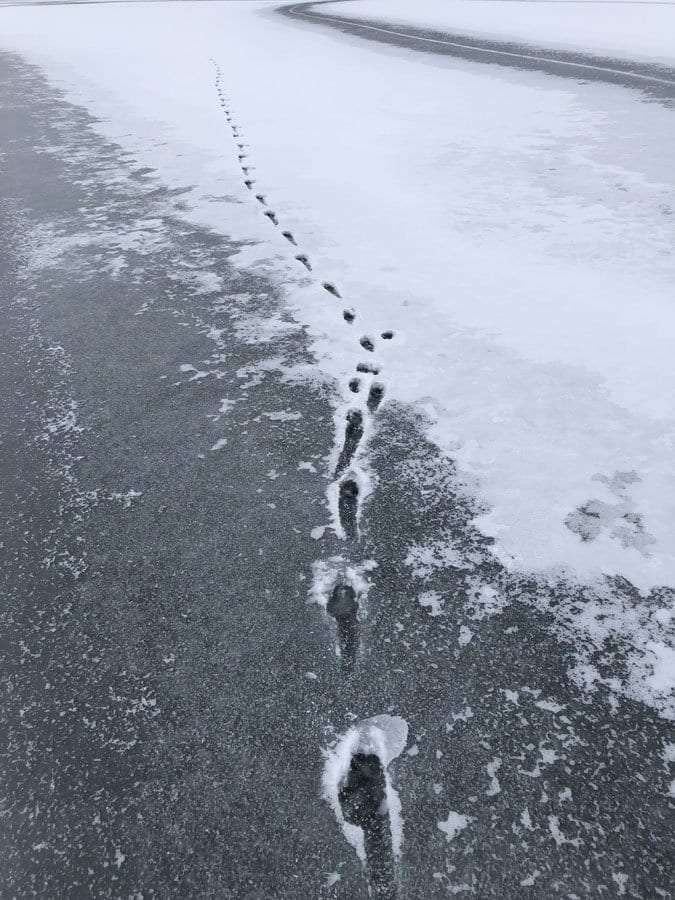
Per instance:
(623,28)
(513,230)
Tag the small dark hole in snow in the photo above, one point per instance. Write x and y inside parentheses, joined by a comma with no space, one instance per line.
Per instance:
(331,288)
(349,315)
(355,385)
(387,335)
(367,367)
(367,343)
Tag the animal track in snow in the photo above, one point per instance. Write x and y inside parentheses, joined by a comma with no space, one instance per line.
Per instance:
(358,785)
(353,435)
(327,286)
(261,199)
(375,395)
(355,385)
(249,184)
(303,259)
(387,335)
(343,607)
(363,800)
(289,237)
(367,343)
(348,506)
(367,367)
(271,216)
(348,315)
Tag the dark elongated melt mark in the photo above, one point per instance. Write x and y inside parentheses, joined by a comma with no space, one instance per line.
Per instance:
(249,184)
(353,435)
(367,343)
(355,385)
(367,367)
(331,288)
(241,156)
(261,199)
(387,335)
(348,505)
(289,237)
(363,799)
(303,259)
(375,395)
(348,315)
(343,607)
(271,216)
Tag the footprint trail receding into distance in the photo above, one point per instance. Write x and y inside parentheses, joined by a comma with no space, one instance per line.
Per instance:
(363,794)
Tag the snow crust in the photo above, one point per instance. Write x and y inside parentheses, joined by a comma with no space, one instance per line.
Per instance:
(620,28)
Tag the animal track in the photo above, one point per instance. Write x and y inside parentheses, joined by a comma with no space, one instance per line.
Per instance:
(331,289)
(348,505)
(363,794)
(343,607)
(353,435)
(375,395)
(363,799)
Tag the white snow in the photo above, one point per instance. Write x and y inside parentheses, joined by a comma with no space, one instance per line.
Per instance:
(492,768)
(624,29)
(465,635)
(433,602)
(455,823)
(513,229)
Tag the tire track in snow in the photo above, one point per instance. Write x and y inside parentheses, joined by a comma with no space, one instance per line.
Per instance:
(364,799)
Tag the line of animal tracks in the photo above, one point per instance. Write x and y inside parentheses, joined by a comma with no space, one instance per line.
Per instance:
(356,780)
